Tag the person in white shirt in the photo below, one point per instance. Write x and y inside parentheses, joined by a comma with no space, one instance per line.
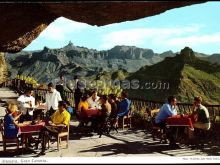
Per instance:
(52,99)
(26,105)
(94,101)
(26,100)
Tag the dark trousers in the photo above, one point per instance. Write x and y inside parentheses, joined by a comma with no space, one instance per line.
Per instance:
(47,132)
(170,132)
(49,113)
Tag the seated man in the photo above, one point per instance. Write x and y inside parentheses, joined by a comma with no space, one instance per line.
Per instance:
(26,101)
(105,113)
(114,112)
(94,100)
(69,108)
(202,113)
(123,107)
(167,110)
(59,122)
(201,116)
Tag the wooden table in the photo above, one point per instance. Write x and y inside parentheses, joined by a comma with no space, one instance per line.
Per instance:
(93,112)
(179,121)
(29,129)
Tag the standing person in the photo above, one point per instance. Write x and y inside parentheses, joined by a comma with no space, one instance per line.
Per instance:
(60,86)
(167,110)
(52,99)
(78,91)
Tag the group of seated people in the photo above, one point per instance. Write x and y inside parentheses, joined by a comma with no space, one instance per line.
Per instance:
(21,114)
(200,115)
(109,106)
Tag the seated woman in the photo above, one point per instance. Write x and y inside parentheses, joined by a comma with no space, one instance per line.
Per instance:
(11,121)
(11,124)
(82,107)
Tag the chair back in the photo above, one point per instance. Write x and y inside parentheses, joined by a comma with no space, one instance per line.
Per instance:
(2,127)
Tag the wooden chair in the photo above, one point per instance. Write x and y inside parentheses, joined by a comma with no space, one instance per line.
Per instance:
(7,140)
(59,138)
(126,120)
(157,132)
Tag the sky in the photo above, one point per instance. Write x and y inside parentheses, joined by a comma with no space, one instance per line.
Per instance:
(195,26)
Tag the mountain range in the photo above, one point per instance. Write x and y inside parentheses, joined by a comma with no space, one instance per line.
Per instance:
(185,73)
(47,64)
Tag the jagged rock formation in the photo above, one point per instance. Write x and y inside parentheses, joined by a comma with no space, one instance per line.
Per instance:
(48,64)
(22,22)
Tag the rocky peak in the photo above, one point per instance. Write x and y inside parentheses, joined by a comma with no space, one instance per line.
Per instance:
(187,55)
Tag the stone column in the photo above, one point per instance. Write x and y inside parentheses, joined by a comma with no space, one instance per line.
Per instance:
(3,68)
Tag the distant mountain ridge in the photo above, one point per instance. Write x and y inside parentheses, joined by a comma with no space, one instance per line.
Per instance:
(48,63)
(184,76)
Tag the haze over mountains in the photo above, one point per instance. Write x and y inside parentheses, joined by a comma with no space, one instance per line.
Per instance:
(48,64)
(188,73)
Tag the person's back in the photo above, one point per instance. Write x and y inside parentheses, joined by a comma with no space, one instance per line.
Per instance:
(10,130)
(203,114)
(106,109)
(124,107)
(114,110)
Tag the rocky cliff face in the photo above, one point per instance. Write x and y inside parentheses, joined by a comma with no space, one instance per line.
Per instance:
(3,68)
(70,60)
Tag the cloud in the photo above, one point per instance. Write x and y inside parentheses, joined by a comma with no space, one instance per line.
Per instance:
(61,28)
(195,40)
(138,36)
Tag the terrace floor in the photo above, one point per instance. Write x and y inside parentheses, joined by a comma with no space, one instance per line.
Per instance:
(126,143)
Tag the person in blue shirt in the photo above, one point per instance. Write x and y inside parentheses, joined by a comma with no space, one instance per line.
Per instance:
(11,121)
(69,108)
(167,110)
(124,105)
